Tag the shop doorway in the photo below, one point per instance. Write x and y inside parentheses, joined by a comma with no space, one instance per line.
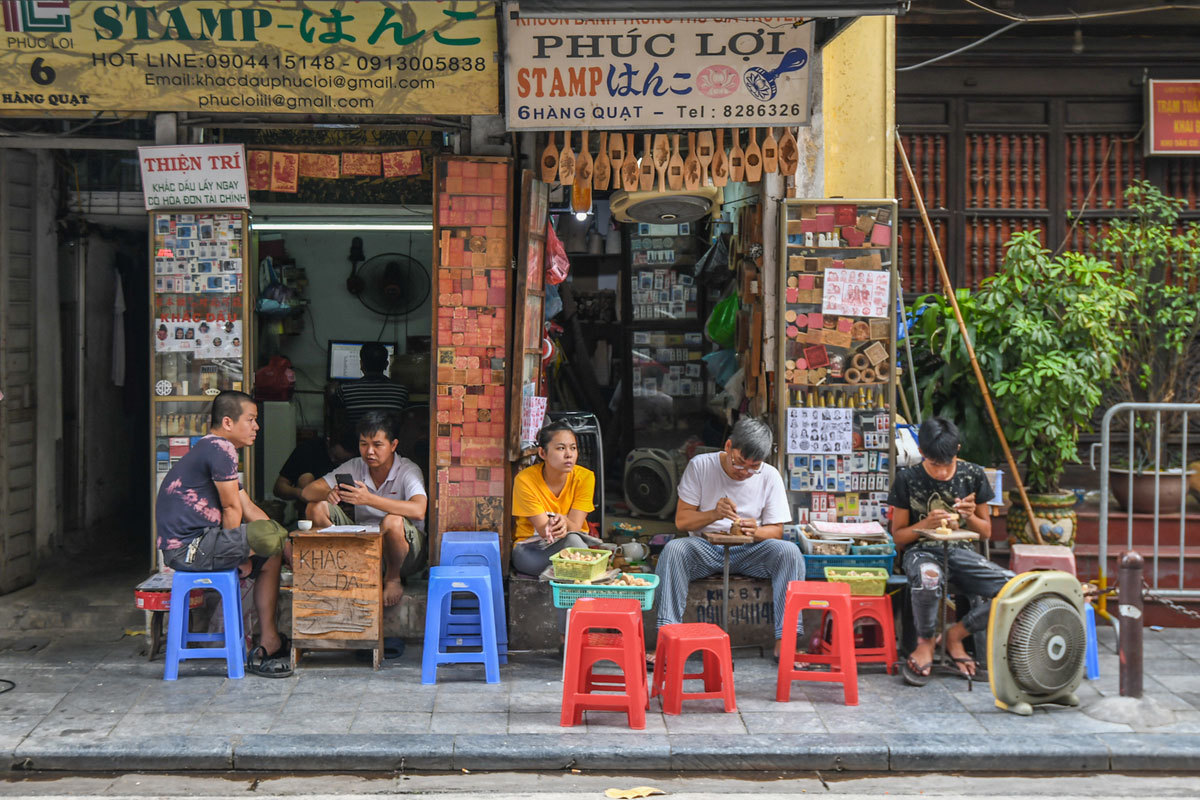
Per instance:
(359,279)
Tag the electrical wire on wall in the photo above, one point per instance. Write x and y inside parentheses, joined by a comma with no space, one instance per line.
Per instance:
(1016,19)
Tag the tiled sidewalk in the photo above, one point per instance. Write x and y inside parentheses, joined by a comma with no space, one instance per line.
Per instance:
(84,695)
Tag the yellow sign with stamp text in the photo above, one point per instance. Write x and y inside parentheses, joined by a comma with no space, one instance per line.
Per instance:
(250,57)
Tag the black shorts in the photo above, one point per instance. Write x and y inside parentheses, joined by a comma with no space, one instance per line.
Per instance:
(213,550)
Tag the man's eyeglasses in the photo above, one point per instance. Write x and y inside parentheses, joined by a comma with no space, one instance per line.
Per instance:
(737,465)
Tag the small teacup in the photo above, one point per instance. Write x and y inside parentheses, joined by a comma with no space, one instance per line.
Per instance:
(304,524)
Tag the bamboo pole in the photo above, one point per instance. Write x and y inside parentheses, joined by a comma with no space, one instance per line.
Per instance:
(948,288)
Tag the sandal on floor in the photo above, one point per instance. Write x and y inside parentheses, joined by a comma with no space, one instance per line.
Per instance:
(285,648)
(964,672)
(265,666)
(916,674)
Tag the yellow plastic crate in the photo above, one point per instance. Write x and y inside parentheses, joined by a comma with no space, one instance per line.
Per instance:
(566,570)
(864,581)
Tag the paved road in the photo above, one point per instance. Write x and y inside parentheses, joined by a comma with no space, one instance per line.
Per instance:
(553,786)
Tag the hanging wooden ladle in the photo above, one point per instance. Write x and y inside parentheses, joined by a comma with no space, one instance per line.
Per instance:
(720,163)
(770,152)
(691,165)
(675,166)
(629,169)
(566,161)
(601,167)
(704,151)
(646,166)
(737,158)
(581,190)
(616,158)
(753,158)
(550,160)
(662,157)
(789,153)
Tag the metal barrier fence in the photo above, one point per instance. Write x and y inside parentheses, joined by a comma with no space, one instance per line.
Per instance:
(1154,584)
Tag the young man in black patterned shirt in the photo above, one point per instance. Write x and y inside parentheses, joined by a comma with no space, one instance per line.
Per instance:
(943,491)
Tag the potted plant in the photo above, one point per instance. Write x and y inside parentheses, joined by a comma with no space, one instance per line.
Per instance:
(946,386)
(1056,323)
(1158,264)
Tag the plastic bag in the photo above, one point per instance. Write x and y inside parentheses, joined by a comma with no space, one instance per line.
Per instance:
(721,365)
(557,265)
(275,381)
(275,299)
(722,322)
(712,270)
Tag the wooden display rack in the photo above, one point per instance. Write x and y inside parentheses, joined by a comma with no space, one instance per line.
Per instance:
(836,365)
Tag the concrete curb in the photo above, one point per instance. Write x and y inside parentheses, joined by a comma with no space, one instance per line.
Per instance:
(157,753)
(936,752)
(625,752)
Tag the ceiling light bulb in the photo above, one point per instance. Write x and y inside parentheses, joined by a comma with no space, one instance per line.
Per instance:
(581,216)
(1077,43)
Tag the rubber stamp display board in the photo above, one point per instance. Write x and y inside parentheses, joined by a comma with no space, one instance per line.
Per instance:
(469,436)
(836,378)
(337,592)
(199,333)
(528,312)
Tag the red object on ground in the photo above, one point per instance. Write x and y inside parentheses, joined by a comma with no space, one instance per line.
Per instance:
(675,644)
(160,600)
(626,648)
(879,611)
(818,596)
(1026,557)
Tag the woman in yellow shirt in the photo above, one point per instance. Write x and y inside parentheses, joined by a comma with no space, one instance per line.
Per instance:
(550,500)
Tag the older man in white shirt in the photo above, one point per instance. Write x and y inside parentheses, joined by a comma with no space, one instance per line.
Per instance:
(730,491)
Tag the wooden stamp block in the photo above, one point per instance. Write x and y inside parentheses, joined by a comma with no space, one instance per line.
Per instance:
(876,353)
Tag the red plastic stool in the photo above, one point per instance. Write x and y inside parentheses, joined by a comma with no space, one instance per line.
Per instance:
(818,596)
(626,648)
(878,610)
(675,644)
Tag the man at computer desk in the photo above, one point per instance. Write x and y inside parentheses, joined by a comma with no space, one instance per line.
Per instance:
(374,391)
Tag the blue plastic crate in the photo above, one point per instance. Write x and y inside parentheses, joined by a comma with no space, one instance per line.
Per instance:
(814,566)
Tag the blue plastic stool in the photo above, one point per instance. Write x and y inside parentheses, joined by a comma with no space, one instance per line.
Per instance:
(443,582)
(1091,653)
(470,549)
(232,647)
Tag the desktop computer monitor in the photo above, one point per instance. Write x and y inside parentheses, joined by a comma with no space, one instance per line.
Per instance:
(343,359)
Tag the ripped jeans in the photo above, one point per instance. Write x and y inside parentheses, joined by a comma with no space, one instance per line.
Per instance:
(973,574)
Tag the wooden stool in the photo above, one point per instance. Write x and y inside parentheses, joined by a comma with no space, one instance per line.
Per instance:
(626,648)
(877,610)
(675,644)
(818,596)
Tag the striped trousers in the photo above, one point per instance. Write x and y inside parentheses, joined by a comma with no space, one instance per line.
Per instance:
(689,558)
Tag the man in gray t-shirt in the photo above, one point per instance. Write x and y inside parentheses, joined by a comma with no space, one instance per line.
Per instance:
(731,491)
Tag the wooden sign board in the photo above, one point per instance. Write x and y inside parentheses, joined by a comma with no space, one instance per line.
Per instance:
(337,593)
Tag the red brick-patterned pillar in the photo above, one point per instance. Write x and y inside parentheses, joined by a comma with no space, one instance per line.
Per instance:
(472,244)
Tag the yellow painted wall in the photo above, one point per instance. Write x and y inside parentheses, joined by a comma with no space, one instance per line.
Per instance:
(860,109)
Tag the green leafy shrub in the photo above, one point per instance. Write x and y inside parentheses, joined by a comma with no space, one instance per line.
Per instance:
(1057,326)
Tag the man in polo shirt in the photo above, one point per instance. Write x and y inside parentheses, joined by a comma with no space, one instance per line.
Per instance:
(388,491)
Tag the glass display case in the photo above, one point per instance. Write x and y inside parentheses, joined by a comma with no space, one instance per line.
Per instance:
(667,382)
(836,377)
(201,342)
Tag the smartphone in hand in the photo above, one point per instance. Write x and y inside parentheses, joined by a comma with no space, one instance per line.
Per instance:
(344,479)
